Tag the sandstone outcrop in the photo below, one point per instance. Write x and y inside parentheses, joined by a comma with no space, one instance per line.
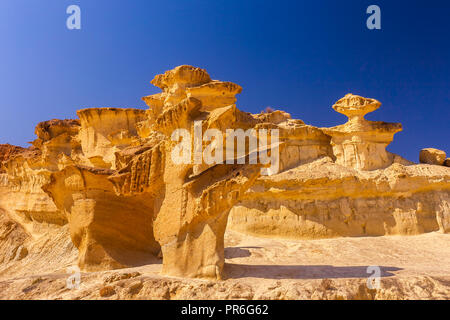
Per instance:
(322,199)
(109,232)
(109,181)
(361,144)
(7,151)
(12,240)
(105,131)
(432,156)
(355,189)
(191,203)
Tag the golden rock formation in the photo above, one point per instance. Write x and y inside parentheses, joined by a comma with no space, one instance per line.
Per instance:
(361,144)
(432,156)
(356,188)
(109,182)
(6,152)
(190,205)
(105,131)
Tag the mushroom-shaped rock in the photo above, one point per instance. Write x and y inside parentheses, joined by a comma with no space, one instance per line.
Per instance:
(356,107)
(359,143)
(184,75)
(191,200)
(432,156)
(215,94)
(190,82)
(174,83)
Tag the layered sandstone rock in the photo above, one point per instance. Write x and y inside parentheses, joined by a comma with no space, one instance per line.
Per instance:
(359,143)
(65,144)
(8,151)
(12,240)
(356,188)
(21,194)
(105,131)
(191,203)
(323,199)
(109,181)
(109,231)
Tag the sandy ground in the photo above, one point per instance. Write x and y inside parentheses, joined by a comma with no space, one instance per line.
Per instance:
(411,267)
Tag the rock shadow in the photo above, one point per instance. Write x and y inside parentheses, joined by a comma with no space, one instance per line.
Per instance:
(236,271)
(238,252)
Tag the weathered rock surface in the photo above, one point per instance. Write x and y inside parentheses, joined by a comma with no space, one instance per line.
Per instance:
(361,144)
(191,205)
(7,151)
(322,199)
(109,232)
(105,190)
(356,188)
(12,240)
(105,131)
(432,156)
(411,267)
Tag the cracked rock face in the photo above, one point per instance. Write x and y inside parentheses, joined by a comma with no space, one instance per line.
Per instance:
(106,186)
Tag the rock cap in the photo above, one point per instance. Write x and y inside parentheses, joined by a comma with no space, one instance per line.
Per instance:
(352,105)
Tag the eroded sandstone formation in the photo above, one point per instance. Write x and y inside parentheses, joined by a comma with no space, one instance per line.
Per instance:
(7,151)
(432,156)
(110,181)
(359,143)
(355,189)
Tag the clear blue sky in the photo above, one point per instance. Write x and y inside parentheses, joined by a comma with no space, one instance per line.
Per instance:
(299,56)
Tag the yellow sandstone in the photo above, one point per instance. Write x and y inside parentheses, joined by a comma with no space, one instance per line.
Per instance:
(104,191)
